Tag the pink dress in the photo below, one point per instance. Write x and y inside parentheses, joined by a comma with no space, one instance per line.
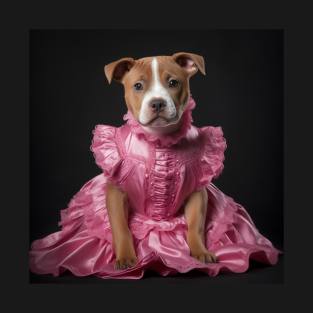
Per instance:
(158,175)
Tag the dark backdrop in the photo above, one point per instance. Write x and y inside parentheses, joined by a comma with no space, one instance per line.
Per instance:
(242,92)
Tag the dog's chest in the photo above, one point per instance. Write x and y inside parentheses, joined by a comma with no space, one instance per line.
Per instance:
(161,159)
(162,176)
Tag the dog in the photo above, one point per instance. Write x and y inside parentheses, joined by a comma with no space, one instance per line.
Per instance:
(156,91)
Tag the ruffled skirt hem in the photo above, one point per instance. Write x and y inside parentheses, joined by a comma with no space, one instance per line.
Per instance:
(84,244)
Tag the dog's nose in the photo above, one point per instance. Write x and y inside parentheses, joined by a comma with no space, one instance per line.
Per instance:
(157,105)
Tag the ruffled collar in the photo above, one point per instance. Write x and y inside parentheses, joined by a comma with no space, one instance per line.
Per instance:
(163,140)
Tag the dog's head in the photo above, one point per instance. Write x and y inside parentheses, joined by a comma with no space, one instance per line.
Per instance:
(156,88)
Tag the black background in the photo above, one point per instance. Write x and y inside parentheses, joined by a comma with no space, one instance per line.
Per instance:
(19,19)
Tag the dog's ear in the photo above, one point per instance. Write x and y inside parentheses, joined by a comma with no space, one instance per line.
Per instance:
(190,62)
(116,70)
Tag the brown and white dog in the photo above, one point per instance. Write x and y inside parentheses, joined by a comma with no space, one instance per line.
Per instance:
(156,92)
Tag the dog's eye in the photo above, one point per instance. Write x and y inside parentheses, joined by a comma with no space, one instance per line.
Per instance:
(138,86)
(173,83)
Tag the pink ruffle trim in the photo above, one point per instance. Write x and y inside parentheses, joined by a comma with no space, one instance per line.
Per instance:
(213,154)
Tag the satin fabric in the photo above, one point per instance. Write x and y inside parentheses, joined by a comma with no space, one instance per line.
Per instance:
(158,174)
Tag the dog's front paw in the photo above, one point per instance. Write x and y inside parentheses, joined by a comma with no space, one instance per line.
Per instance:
(125,262)
(205,256)
(198,249)
(125,254)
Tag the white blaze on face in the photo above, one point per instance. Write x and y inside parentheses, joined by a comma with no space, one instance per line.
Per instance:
(156,90)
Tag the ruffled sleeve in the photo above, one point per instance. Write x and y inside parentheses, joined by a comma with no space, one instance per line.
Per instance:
(212,157)
(105,149)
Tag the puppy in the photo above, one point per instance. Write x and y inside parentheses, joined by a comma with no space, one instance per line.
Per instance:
(156,92)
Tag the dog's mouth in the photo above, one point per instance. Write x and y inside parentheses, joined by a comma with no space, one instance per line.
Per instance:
(160,121)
